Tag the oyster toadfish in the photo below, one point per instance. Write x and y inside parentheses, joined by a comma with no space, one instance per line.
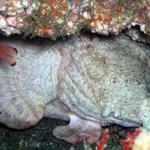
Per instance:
(91,83)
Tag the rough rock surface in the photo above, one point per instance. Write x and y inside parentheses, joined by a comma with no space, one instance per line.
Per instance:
(52,18)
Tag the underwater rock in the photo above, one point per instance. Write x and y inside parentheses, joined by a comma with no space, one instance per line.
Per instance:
(53,18)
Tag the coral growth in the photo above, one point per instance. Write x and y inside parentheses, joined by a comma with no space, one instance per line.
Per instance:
(52,18)
(129,141)
(103,140)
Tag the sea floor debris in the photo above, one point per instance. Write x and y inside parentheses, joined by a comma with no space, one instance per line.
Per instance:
(39,138)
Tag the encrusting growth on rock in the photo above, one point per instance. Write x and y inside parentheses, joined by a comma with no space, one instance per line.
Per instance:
(53,18)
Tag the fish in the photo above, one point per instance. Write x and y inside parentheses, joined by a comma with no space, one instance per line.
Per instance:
(8,53)
(91,83)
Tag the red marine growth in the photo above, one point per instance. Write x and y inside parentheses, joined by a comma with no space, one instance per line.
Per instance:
(7,53)
(127,143)
(103,140)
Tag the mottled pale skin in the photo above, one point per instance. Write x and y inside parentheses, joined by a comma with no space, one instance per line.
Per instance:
(91,82)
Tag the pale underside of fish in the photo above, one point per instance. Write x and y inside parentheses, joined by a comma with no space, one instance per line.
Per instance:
(89,82)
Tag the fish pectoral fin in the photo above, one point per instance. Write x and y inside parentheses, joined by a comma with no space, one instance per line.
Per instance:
(8,53)
(78,130)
